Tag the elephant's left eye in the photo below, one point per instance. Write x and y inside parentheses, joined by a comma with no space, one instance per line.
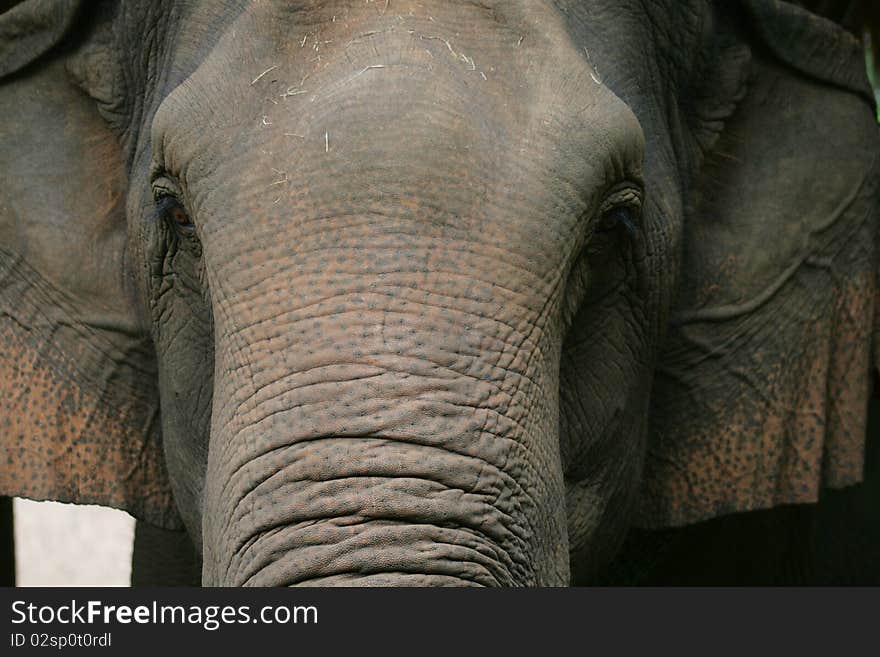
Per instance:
(622,209)
(621,216)
(173,211)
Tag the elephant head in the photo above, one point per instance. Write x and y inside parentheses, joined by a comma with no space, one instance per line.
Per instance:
(378,292)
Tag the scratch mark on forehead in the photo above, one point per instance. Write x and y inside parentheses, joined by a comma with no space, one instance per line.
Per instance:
(594,70)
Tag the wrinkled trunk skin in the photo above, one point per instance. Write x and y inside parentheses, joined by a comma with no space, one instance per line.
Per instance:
(386,398)
(388,258)
(373,438)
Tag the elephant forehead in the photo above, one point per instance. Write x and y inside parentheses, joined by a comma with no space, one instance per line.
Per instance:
(485,75)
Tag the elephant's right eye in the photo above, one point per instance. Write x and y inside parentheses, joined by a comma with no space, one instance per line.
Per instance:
(172,211)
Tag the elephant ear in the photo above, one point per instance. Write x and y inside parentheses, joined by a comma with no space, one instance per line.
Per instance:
(760,397)
(79,414)
(30,29)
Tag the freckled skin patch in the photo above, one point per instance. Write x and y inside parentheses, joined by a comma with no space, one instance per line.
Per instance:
(762,389)
(65,438)
(79,412)
(780,446)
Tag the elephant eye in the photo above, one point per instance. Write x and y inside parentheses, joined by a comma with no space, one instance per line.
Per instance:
(621,216)
(170,209)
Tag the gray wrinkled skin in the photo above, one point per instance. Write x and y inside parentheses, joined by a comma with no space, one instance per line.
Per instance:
(389,399)
(405,268)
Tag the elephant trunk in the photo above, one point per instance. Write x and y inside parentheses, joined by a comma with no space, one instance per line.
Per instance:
(373,439)
(387,339)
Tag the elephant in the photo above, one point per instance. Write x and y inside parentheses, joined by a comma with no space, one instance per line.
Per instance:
(465,293)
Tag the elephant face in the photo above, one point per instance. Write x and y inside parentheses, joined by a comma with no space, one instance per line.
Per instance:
(387,249)
(391,282)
